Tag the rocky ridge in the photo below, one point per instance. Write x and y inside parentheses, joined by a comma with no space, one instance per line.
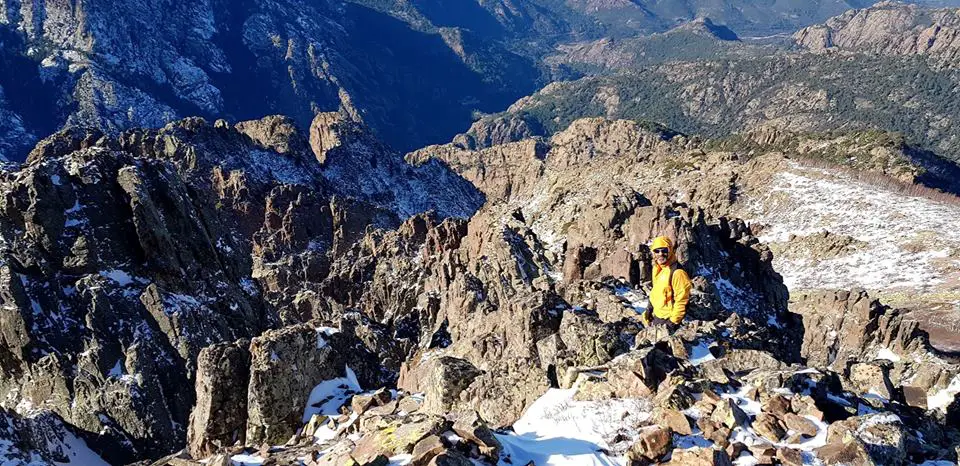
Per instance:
(537,289)
(868,182)
(700,38)
(230,226)
(799,92)
(889,28)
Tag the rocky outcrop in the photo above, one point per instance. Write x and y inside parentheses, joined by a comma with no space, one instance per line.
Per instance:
(874,346)
(889,28)
(516,298)
(264,390)
(125,256)
(441,379)
(489,132)
(363,168)
(105,313)
(286,365)
(218,418)
(798,408)
(843,326)
(31,435)
(371,437)
(823,245)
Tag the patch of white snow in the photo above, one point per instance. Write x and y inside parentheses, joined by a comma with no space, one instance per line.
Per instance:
(246,460)
(117,370)
(322,333)
(701,353)
(885,353)
(121,277)
(558,430)
(328,396)
(896,229)
(944,397)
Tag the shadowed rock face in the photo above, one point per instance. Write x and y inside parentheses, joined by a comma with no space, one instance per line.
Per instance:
(124,257)
(219,416)
(845,325)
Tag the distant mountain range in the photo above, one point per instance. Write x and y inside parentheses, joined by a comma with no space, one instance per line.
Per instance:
(116,65)
(416,72)
(891,67)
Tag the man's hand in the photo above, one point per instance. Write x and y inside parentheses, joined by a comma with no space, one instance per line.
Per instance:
(646,317)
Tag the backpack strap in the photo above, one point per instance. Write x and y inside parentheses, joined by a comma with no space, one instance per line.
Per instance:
(670,282)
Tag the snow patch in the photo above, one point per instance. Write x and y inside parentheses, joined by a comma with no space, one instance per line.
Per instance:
(78,452)
(636,300)
(732,297)
(898,229)
(176,303)
(944,397)
(116,371)
(885,353)
(249,286)
(686,442)
(558,430)
(701,353)
(749,406)
(322,334)
(328,396)
(400,460)
(246,460)
(749,437)
(121,277)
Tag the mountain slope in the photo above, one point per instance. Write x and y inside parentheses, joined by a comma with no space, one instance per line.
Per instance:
(115,65)
(890,29)
(415,72)
(795,92)
(137,251)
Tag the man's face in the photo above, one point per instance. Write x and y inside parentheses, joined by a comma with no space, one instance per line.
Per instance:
(660,255)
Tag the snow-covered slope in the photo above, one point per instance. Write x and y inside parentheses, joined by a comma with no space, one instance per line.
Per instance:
(900,242)
(911,242)
(30,436)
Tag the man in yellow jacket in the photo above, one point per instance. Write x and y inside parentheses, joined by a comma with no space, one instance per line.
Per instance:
(671,287)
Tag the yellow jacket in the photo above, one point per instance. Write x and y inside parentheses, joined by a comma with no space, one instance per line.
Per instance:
(669,300)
